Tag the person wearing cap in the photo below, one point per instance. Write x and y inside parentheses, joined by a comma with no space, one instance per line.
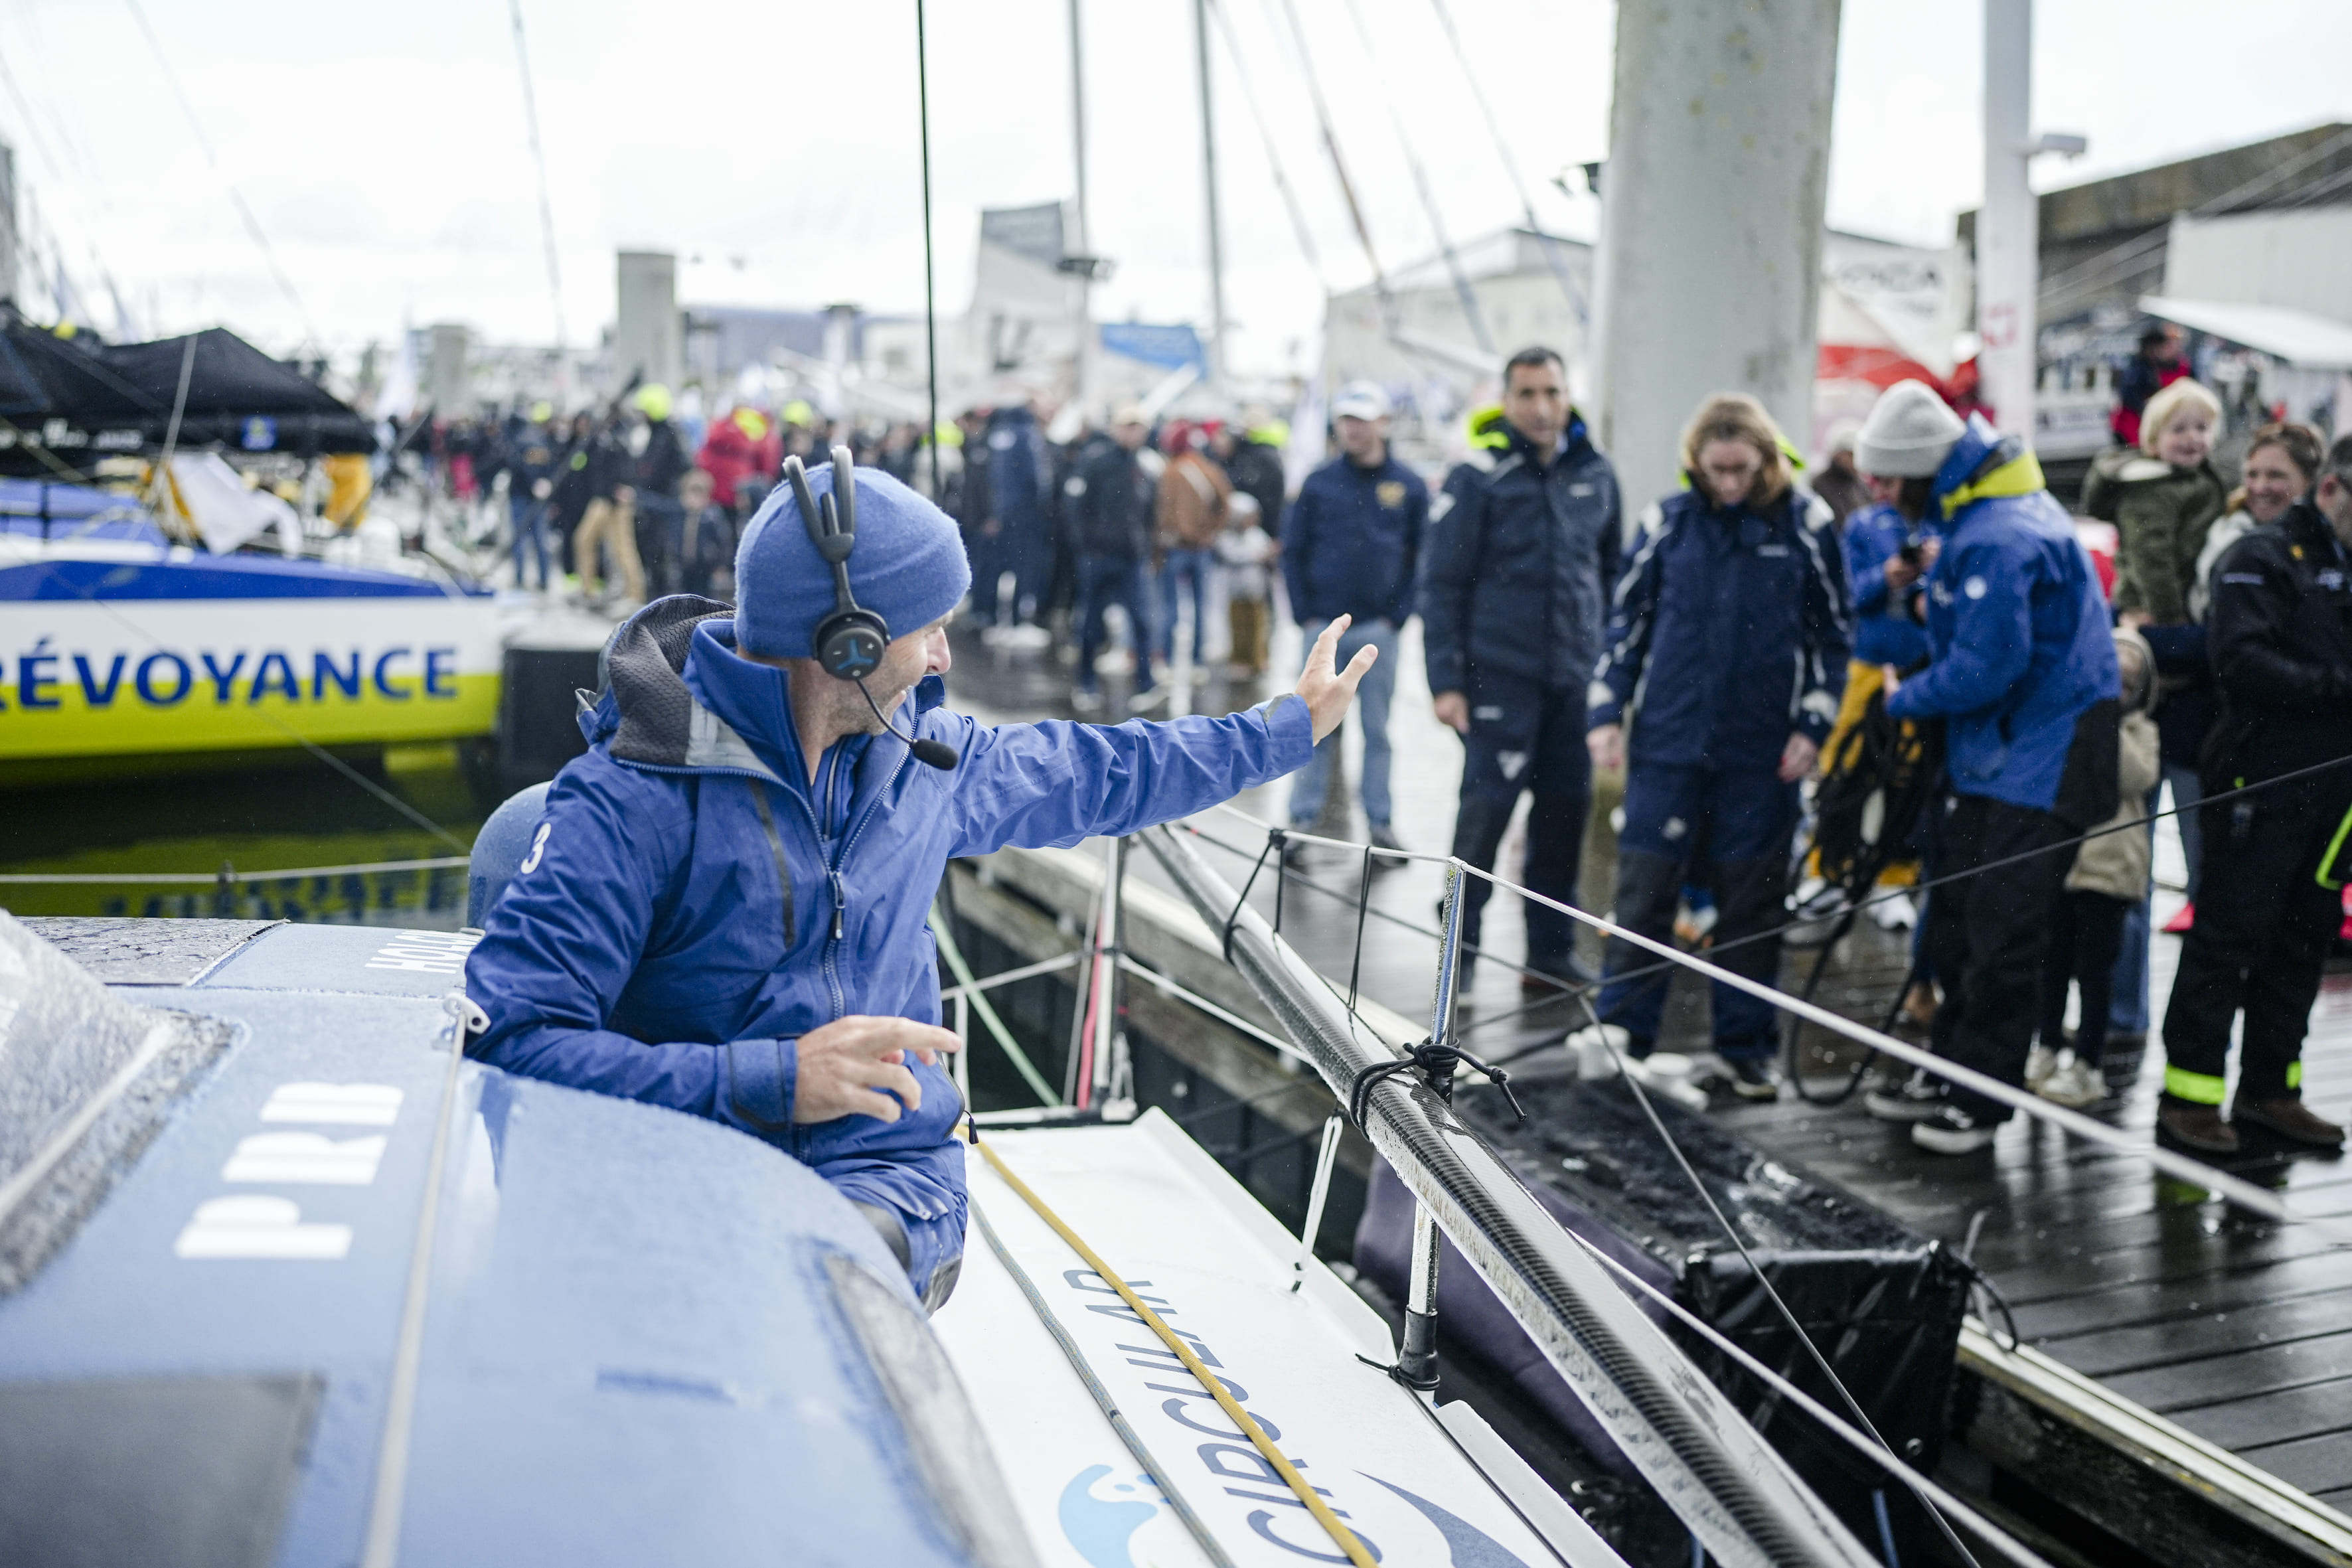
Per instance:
(723,908)
(1350,547)
(2021,669)
(1110,504)
(1523,547)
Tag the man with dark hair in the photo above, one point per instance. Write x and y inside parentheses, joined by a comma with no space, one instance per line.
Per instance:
(2280,635)
(1521,553)
(2156,366)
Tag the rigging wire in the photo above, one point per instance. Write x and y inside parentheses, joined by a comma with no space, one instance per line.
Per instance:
(252,223)
(539,158)
(1274,163)
(1723,1222)
(1340,163)
(2246,1195)
(1553,256)
(1462,289)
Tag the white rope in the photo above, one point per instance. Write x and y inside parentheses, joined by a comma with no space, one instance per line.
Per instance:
(2237,1190)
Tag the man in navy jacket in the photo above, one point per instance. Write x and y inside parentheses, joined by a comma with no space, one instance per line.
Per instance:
(1349,547)
(1727,643)
(2023,672)
(1522,545)
(724,911)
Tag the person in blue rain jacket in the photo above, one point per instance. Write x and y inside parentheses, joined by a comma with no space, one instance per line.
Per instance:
(723,908)
(2023,673)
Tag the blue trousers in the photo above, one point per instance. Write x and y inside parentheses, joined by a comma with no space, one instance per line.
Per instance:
(1310,783)
(1740,822)
(1104,581)
(1184,570)
(530,518)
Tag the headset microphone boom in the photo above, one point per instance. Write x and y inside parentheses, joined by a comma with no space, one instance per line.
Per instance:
(849,641)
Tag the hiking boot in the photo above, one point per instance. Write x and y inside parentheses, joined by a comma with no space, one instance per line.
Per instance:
(1952,1130)
(2288,1116)
(2195,1126)
(2073,1083)
(1915,1099)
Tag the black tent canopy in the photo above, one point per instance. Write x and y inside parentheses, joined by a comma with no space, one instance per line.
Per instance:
(66,402)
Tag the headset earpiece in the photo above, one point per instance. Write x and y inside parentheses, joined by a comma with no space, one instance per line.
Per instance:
(848,642)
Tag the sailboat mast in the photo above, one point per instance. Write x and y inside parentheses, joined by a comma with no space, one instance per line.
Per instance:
(1080,244)
(1216,232)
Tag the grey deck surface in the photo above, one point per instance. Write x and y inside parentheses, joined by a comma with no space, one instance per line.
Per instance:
(2238,1330)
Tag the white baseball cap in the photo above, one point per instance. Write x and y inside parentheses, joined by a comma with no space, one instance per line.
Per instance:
(1361,400)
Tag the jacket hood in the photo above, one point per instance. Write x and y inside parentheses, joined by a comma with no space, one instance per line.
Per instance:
(1985,464)
(647,714)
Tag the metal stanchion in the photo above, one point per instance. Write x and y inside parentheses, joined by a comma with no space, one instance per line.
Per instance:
(1417,1358)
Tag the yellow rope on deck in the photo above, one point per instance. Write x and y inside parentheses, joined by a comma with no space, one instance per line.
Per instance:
(1339,1532)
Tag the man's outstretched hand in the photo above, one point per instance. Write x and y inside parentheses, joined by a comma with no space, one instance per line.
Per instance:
(1326,693)
(845,1066)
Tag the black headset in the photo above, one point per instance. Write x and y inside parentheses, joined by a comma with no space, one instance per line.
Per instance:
(848,642)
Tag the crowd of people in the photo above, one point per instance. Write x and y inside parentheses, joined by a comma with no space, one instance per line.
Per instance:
(1709,648)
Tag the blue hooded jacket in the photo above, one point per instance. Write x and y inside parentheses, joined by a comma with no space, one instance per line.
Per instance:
(1729,632)
(2018,630)
(693,902)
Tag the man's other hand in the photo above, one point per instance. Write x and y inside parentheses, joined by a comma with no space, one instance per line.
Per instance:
(1798,757)
(1606,742)
(1453,710)
(845,1067)
(1326,692)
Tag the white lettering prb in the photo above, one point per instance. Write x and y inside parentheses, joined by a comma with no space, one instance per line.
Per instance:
(538,849)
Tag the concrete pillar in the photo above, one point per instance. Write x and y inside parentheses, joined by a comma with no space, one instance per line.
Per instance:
(648,334)
(448,370)
(2008,269)
(1709,271)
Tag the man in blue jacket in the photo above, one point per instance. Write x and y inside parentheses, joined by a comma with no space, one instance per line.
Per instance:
(1727,643)
(1522,545)
(724,911)
(1349,547)
(2023,672)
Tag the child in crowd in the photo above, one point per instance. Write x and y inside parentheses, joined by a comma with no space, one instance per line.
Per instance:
(2108,879)
(1248,552)
(706,546)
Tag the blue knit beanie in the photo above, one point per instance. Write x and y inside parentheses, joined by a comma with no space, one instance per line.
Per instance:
(909,566)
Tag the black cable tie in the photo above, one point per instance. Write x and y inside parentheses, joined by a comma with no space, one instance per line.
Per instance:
(1435,1063)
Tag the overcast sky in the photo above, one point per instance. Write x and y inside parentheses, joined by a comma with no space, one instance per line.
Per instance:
(382,151)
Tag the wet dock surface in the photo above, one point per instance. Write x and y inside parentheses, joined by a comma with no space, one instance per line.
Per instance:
(2236,1328)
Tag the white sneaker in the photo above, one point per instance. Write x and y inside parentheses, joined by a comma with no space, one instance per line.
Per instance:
(1597,1047)
(2073,1083)
(1894,911)
(2039,1063)
(1083,701)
